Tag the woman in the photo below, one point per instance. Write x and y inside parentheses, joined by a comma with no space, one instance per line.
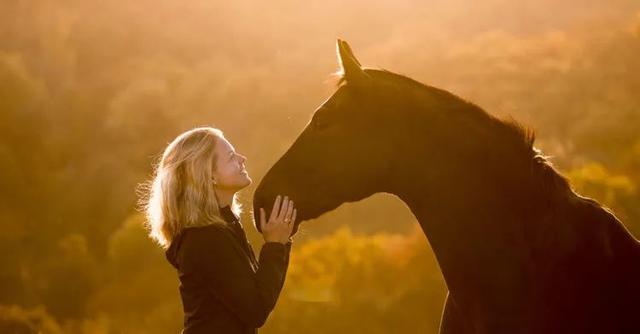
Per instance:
(192,212)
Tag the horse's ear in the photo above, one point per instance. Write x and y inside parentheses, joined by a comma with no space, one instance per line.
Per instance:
(350,67)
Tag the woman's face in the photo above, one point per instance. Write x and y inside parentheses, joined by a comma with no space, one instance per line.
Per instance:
(230,173)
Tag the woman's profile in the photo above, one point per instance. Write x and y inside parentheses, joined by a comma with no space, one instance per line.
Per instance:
(193,214)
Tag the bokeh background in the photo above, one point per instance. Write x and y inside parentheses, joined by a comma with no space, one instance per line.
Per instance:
(91,92)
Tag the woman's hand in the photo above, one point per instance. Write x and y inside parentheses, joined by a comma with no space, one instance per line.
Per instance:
(281,221)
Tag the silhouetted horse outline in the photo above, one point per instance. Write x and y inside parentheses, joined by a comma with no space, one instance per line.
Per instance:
(520,251)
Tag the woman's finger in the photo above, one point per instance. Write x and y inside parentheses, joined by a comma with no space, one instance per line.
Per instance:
(284,208)
(291,224)
(295,215)
(274,211)
(262,215)
(289,211)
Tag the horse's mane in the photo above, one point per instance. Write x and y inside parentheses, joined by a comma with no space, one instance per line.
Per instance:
(512,131)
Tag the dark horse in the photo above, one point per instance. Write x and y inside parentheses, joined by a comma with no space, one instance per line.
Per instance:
(519,250)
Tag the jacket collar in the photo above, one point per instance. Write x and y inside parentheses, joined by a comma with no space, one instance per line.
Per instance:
(228,214)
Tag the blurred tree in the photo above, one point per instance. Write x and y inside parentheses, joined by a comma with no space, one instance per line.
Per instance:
(139,290)
(344,283)
(17,320)
(66,278)
(616,191)
(91,91)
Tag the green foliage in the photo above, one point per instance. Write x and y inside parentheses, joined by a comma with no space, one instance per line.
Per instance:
(17,320)
(91,91)
(379,283)
(617,191)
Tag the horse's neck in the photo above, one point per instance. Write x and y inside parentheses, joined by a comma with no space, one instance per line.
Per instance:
(487,253)
(481,249)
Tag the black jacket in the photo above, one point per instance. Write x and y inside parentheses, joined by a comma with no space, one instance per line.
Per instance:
(224,289)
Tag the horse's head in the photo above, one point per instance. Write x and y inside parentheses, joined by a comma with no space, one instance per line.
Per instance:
(379,132)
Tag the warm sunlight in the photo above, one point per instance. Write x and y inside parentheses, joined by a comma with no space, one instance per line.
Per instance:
(91,91)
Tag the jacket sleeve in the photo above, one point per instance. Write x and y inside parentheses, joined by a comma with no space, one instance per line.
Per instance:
(229,277)
(287,252)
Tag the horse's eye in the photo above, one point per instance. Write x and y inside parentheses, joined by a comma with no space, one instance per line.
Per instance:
(319,124)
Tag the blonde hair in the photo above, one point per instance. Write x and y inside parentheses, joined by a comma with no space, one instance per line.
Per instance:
(181,193)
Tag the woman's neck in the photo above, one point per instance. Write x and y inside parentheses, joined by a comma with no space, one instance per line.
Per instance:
(225,198)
